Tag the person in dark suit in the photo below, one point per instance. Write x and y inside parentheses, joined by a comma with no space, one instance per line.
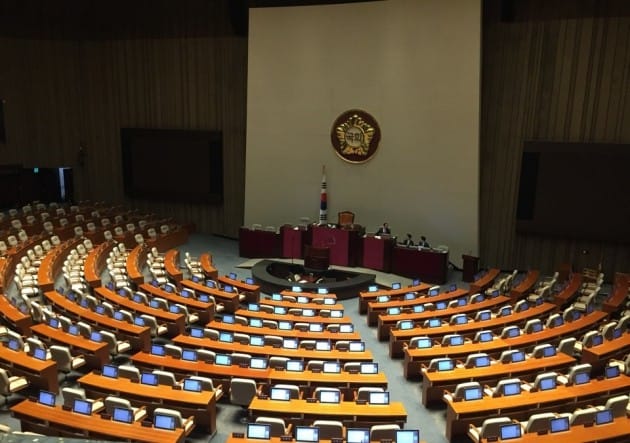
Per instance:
(423,242)
(384,229)
(408,241)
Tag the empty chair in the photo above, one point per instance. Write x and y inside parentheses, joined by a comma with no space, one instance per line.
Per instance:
(307,344)
(114,345)
(130,372)
(363,393)
(70,394)
(329,429)
(315,365)
(173,350)
(490,428)
(242,391)
(383,432)
(318,390)
(111,402)
(131,227)
(9,384)
(66,362)
(583,416)
(139,238)
(578,374)
(567,346)
(208,385)
(165,377)
(241,359)
(539,422)
(273,340)
(152,233)
(211,333)
(618,405)
(206,355)
(151,322)
(276,361)
(277,426)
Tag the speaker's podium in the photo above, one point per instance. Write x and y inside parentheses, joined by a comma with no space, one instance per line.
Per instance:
(344,244)
(316,259)
(471,264)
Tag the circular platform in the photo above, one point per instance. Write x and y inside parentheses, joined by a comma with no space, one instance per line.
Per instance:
(275,276)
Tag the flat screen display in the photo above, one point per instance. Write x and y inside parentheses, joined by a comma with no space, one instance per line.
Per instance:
(445,365)
(559,424)
(407,436)
(357,435)
(192,385)
(379,398)
(258,363)
(604,416)
(368,368)
(307,434)
(511,389)
(122,415)
(147,378)
(189,355)
(158,350)
(346,328)
(223,360)
(280,394)
(164,422)
(472,394)
(82,407)
(110,371)
(258,431)
(331,367)
(196,332)
(509,431)
(612,371)
(295,365)
(46,398)
(356,346)
(39,353)
(329,396)
(547,383)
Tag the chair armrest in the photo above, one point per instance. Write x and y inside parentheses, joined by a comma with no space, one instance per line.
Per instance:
(289,428)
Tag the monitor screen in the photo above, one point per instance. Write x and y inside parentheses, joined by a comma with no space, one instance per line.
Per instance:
(549,351)
(612,371)
(285,325)
(513,331)
(253,307)
(346,328)
(326,396)
(307,434)
(309,313)
(280,394)
(228,288)
(118,315)
(205,298)
(331,367)
(472,394)
(223,360)
(258,363)
(302,299)
(147,378)
(154,304)
(547,383)
(225,336)
(485,336)
(259,431)
(164,422)
(174,309)
(249,281)
(396,285)
(228,318)
(290,343)
(189,355)
(82,407)
(280,310)
(330,301)
(39,353)
(435,323)
(195,278)
(196,332)
(445,365)
(518,356)
(257,340)
(96,336)
(452,287)
(511,389)
(296,289)
(47,398)
(138,321)
(256,322)
(441,305)
(295,365)
(559,424)
(410,296)
(321,345)
(512,430)
(484,315)
(457,340)
(158,350)
(13,344)
(322,290)
(122,415)
(536,327)
(368,368)
(110,371)
(483,361)
(506,310)
(232,276)
(192,385)
(73,329)
(418,308)
(356,346)
(372,288)
(137,298)
(598,339)
(433,292)
(53,322)
(315,327)
(581,378)
(276,297)
(393,311)
(604,416)
(407,436)
(462,302)
(379,398)
(100,309)
(357,435)
(186,293)
(84,303)
(424,342)
(415,282)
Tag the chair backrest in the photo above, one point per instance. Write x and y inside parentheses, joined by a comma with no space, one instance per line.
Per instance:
(583,416)
(329,429)
(61,354)
(384,432)
(165,377)
(618,405)
(277,426)
(111,402)
(363,393)
(539,422)
(294,390)
(491,427)
(242,390)
(130,372)
(70,394)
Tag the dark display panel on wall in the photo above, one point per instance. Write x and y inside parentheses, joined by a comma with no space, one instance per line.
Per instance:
(578,190)
(173,165)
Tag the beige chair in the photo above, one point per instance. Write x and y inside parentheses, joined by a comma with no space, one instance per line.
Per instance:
(490,428)
(208,385)
(66,362)
(187,424)
(329,429)
(383,432)
(70,394)
(112,402)
(9,384)
(277,426)
(130,372)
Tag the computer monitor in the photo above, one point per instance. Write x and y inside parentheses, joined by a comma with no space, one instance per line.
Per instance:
(511,389)
(196,332)
(138,321)
(518,356)
(307,434)
(228,318)
(228,288)
(616,333)
(393,311)
(322,290)
(137,298)
(211,284)
(174,309)
(205,298)
(452,287)
(346,328)
(445,365)
(378,398)
(433,291)
(558,424)
(505,310)
(356,346)
(484,315)
(315,327)
(47,398)
(96,336)
(186,293)
(460,319)
(195,278)
(509,431)
(435,322)
(604,416)
(249,281)
(285,325)
(549,351)
(148,378)
(581,377)
(512,331)
(84,303)
(110,371)
(612,371)
(302,299)
(407,436)
(81,406)
(73,329)
(122,415)
(259,363)
(368,368)
(255,322)
(39,353)
(485,336)
(281,394)
(189,355)
(13,344)
(290,343)
(456,340)
(223,360)
(119,316)
(192,385)
(473,393)
(547,383)
(396,285)
(164,422)
(441,305)
(100,309)
(158,350)
(53,322)
(424,342)
(372,288)
(154,304)
(418,308)
(536,327)
(323,345)
(358,435)
(294,365)
(482,361)
(308,312)
(255,307)
(277,297)
(332,367)
(410,296)
(226,336)
(257,340)
(462,301)
(280,310)
(326,396)
(597,340)
(258,431)
(330,301)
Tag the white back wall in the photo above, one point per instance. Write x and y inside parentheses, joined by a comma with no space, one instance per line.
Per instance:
(412,64)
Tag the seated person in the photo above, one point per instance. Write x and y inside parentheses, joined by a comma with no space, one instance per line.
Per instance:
(408,241)
(384,229)
(423,242)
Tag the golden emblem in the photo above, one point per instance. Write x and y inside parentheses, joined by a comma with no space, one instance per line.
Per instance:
(355,136)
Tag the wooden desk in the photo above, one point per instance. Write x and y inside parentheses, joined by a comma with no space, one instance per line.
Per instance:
(430,265)
(40,373)
(307,294)
(344,244)
(294,304)
(135,259)
(230,300)
(17,319)
(202,405)
(294,238)
(205,310)
(619,293)
(525,286)
(96,354)
(434,383)
(252,292)
(377,252)
(365,296)
(171,265)
(139,336)
(268,351)
(300,335)
(207,266)
(461,414)
(176,323)
(256,243)
(414,358)
(293,318)
(232,439)
(341,380)
(567,294)
(95,263)
(348,412)
(51,264)
(598,356)
(485,281)
(49,420)
(398,338)
(614,432)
